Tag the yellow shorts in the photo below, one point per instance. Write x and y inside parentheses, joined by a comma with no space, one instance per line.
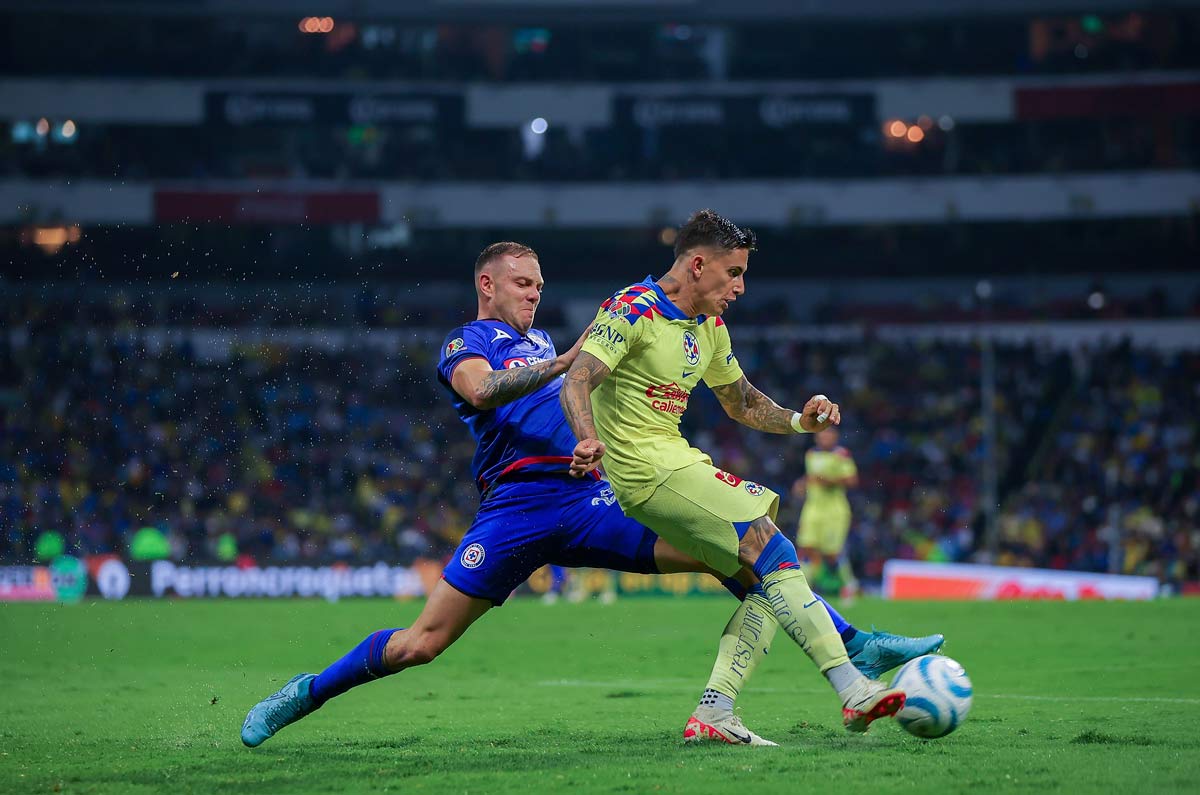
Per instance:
(696,509)
(823,531)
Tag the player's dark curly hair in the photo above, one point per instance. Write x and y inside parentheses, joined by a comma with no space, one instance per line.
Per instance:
(706,228)
(503,249)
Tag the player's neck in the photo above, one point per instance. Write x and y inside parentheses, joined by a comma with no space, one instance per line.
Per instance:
(485,313)
(675,289)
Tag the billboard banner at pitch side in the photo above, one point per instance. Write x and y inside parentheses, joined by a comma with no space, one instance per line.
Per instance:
(913,579)
(113,578)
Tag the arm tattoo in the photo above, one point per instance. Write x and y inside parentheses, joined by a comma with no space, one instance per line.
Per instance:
(752,408)
(585,375)
(504,386)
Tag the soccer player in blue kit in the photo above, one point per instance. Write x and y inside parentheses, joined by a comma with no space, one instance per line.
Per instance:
(503,376)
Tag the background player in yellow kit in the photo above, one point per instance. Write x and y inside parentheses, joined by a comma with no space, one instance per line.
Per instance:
(650,345)
(825,518)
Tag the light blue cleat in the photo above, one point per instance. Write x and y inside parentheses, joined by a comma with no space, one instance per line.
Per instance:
(882,651)
(287,705)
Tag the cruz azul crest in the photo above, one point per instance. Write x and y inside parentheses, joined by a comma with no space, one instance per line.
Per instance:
(472,556)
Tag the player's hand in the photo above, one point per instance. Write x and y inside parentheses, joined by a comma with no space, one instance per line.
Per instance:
(568,358)
(819,413)
(586,457)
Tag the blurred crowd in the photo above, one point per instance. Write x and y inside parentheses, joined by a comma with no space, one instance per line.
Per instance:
(280,454)
(1116,485)
(287,454)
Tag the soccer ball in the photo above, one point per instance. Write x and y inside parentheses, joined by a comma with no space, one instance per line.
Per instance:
(939,696)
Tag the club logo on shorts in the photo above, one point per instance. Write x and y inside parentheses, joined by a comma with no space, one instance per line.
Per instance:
(755,489)
(728,478)
(607,497)
(691,348)
(472,556)
(456,344)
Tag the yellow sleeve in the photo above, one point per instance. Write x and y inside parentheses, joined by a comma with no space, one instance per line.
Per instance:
(724,368)
(613,336)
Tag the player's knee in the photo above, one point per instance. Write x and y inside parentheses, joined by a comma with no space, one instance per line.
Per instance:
(754,537)
(778,553)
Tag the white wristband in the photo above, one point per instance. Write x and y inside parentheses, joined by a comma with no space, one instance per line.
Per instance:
(796,426)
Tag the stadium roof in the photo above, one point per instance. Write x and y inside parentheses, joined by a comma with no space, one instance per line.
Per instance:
(575,10)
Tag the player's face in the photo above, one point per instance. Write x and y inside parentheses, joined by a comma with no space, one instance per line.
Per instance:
(722,280)
(514,285)
(827,439)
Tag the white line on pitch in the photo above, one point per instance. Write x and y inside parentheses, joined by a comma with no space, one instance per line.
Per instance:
(1146,699)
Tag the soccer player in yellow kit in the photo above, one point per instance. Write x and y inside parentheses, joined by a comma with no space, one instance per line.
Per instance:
(650,345)
(825,518)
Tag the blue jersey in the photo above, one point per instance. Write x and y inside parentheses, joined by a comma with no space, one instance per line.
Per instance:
(528,434)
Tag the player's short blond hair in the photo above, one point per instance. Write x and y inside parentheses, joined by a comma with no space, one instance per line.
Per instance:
(505,248)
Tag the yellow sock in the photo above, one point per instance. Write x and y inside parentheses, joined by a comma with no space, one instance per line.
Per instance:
(743,644)
(804,618)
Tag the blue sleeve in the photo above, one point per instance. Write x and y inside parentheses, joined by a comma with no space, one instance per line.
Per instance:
(465,342)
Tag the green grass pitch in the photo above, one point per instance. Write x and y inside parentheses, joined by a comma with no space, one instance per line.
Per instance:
(148,697)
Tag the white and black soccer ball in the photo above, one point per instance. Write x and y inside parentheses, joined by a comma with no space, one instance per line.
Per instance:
(939,696)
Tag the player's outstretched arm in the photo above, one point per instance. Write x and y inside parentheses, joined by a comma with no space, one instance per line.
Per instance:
(485,388)
(576,397)
(747,405)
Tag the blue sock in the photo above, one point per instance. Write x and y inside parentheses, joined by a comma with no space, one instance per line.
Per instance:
(779,553)
(363,664)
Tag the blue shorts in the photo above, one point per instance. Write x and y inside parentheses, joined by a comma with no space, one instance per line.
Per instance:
(524,525)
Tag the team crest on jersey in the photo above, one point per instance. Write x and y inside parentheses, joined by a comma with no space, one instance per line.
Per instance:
(728,478)
(607,497)
(755,489)
(472,556)
(620,310)
(691,348)
(455,345)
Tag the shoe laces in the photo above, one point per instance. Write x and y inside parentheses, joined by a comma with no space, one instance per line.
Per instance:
(736,721)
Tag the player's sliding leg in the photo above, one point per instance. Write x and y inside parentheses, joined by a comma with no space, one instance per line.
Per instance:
(773,559)
(446,616)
